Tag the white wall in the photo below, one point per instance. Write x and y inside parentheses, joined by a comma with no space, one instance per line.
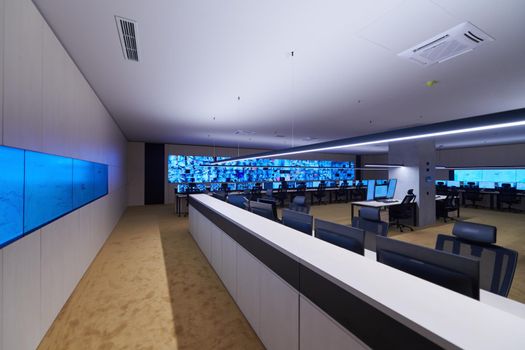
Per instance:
(48,106)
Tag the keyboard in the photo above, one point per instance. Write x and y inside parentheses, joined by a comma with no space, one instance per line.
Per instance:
(388,200)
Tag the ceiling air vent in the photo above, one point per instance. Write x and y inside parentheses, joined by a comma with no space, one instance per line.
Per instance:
(456,41)
(127,30)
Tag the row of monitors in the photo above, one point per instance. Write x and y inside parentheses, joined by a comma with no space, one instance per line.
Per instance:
(186,169)
(488,185)
(490,175)
(37,188)
(242,186)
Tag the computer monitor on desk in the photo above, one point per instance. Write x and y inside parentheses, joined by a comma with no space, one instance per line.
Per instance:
(451,271)
(453,183)
(381,192)
(520,186)
(391,188)
(370,191)
(487,185)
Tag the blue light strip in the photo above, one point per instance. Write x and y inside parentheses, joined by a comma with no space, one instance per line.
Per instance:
(38,188)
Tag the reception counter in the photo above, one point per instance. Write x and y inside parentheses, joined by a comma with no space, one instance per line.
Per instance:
(299,292)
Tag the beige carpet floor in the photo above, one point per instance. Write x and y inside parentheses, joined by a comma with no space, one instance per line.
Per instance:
(150,287)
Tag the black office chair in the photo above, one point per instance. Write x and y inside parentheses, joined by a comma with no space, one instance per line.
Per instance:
(403,211)
(497,264)
(238,200)
(299,204)
(299,221)
(346,237)
(255,192)
(320,193)
(509,195)
(370,220)
(472,194)
(282,193)
(342,191)
(449,204)
(441,189)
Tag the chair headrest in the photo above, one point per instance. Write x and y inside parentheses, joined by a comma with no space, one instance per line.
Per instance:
(372,214)
(299,200)
(475,232)
(410,191)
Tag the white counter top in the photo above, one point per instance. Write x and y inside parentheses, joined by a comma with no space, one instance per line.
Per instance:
(446,317)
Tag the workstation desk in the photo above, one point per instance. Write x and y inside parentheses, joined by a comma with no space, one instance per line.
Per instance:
(299,292)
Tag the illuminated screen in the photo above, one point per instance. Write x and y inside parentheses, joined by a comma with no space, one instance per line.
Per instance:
(487,185)
(490,175)
(48,188)
(381,191)
(520,186)
(11,193)
(370,190)
(37,188)
(391,188)
(453,183)
(184,169)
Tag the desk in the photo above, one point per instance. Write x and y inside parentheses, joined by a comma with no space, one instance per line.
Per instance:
(300,292)
(381,205)
(178,203)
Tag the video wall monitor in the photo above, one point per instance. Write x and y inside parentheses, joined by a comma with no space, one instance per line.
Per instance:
(381,192)
(391,188)
(11,193)
(489,185)
(48,188)
(453,183)
(370,191)
(520,186)
(455,272)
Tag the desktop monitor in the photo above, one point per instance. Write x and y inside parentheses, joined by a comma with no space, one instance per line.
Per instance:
(391,188)
(315,184)
(276,185)
(370,191)
(488,185)
(506,184)
(381,192)
(453,183)
(455,272)
(520,186)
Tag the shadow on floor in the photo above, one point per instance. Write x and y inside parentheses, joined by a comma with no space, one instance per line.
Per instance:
(204,314)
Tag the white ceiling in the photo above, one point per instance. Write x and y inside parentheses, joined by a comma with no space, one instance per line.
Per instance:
(345,79)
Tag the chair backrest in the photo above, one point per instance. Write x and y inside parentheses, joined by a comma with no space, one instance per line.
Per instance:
(350,238)
(409,198)
(238,200)
(370,220)
(497,264)
(299,204)
(508,194)
(298,221)
(267,210)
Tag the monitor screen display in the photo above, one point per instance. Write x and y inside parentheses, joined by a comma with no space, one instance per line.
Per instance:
(370,191)
(11,193)
(453,183)
(48,190)
(487,185)
(520,186)
(381,191)
(391,188)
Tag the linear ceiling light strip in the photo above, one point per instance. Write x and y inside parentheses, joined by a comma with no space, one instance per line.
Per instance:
(461,126)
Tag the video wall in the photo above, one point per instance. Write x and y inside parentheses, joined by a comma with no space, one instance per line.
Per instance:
(492,175)
(37,188)
(186,169)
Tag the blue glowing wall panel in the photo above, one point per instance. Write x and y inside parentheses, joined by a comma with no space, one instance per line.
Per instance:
(100,180)
(36,188)
(83,182)
(48,188)
(11,193)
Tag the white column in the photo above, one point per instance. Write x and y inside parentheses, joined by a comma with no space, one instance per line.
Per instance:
(418,173)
